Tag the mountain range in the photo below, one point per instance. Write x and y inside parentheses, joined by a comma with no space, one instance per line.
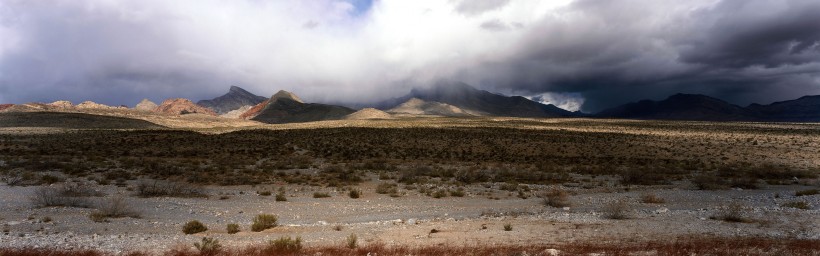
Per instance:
(478,102)
(447,99)
(698,107)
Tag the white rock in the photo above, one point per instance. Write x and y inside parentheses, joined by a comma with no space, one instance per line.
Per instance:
(411,222)
(662,210)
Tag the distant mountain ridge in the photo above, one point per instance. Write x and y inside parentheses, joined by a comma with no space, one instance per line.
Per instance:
(804,109)
(479,102)
(453,99)
(235,98)
(698,107)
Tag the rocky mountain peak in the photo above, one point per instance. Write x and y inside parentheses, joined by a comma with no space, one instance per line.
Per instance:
(233,100)
(146,105)
(282,94)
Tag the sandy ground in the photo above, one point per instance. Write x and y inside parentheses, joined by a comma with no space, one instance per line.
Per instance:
(407,220)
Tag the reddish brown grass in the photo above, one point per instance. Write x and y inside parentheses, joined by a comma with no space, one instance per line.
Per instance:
(681,246)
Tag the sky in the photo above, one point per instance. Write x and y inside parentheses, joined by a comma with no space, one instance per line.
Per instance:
(577,54)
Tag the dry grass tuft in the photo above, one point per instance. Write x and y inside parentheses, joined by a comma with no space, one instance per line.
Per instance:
(617,210)
(734,212)
(264,221)
(652,199)
(557,198)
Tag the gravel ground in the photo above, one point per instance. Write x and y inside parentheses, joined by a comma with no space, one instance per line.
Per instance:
(407,220)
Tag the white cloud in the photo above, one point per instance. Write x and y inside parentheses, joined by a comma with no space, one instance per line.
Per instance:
(567,101)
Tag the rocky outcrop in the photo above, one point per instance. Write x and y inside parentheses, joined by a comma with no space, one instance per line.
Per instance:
(180,106)
(236,113)
(368,113)
(62,104)
(3,107)
(92,105)
(146,105)
(416,106)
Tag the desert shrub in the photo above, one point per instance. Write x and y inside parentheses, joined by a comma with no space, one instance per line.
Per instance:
(354,193)
(52,196)
(457,193)
(352,241)
(49,179)
(509,187)
(116,207)
(170,189)
(798,205)
(13,179)
(280,197)
(644,177)
(744,183)
(264,221)
(193,227)
(710,182)
(321,195)
(508,227)
(807,192)
(557,198)
(97,216)
(338,227)
(284,244)
(343,174)
(773,173)
(232,228)
(439,193)
(264,193)
(617,210)
(387,188)
(208,246)
(652,199)
(79,189)
(734,212)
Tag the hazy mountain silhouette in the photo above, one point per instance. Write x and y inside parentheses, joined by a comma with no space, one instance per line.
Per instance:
(804,109)
(705,108)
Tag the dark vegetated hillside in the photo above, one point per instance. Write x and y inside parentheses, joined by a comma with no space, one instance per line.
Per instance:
(72,121)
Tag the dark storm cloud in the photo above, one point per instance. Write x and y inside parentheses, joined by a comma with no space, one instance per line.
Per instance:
(734,38)
(589,53)
(611,52)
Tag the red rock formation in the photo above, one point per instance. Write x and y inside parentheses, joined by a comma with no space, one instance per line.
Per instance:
(5,106)
(254,111)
